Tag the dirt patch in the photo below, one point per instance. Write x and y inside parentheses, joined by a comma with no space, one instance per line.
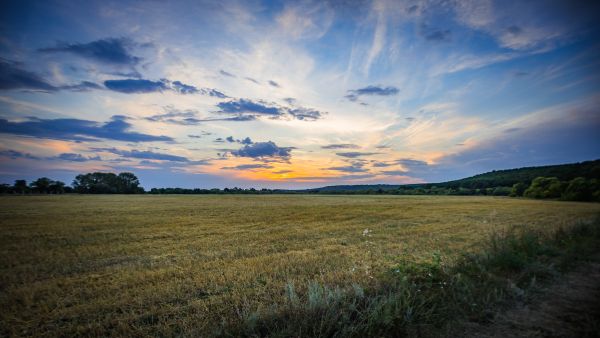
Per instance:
(570,308)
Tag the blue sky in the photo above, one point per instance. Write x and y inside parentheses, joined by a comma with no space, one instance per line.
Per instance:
(294,94)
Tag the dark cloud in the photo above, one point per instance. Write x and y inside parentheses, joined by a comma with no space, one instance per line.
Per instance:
(274,84)
(219,140)
(222,72)
(140,86)
(290,100)
(263,150)
(72,157)
(146,155)
(353,95)
(410,163)
(353,168)
(13,77)
(249,167)
(246,140)
(13,154)
(378,164)
(175,116)
(514,30)
(394,172)
(78,130)
(438,35)
(130,86)
(355,154)
(412,9)
(82,87)
(246,108)
(109,51)
(341,146)
(307,114)
(284,171)
(194,136)
(252,80)
(511,130)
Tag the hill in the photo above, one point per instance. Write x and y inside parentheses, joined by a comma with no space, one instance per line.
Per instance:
(493,179)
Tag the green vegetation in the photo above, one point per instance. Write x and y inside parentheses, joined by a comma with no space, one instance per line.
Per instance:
(572,182)
(138,265)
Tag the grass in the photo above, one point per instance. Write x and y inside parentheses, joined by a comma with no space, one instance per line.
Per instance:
(209,265)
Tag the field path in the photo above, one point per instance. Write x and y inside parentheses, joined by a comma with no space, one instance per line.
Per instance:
(570,308)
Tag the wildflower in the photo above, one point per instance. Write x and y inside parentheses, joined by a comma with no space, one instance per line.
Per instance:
(366,232)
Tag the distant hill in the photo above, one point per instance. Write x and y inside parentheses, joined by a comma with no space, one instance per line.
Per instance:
(492,179)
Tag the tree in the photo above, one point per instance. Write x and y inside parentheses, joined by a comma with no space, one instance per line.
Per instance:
(20,187)
(5,188)
(41,185)
(56,187)
(129,183)
(107,183)
(518,189)
(544,187)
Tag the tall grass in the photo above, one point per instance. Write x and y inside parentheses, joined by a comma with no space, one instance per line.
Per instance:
(427,299)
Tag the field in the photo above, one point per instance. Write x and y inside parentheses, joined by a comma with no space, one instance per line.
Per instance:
(188,265)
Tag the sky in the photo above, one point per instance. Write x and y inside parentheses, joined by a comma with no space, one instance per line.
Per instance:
(296,94)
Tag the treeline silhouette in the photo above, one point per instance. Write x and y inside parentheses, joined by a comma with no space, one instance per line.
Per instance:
(571,182)
(91,183)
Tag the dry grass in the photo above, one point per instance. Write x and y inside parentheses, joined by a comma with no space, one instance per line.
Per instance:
(185,265)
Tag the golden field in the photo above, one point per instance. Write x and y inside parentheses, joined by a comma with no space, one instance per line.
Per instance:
(186,265)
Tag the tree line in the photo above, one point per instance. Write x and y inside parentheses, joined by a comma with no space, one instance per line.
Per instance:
(91,183)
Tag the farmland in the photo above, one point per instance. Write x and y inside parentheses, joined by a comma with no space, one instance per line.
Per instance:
(190,265)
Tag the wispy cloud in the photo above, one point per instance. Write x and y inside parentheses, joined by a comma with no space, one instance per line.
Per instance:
(354,94)
(117,129)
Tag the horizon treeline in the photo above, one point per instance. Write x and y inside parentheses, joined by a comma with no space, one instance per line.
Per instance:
(571,182)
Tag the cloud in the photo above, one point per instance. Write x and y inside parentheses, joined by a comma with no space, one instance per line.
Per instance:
(141,86)
(130,86)
(246,140)
(175,116)
(224,73)
(82,87)
(378,164)
(353,168)
(13,154)
(249,167)
(110,51)
(340,146)
(72,157)
(353,95)
(13,77)
(245,106)
(194,136)
(263,150)
(274,84)
(146,155)
(252,80)
(355,154)
(249,108)
(394,172)
(78,130)
(306,114)
(410,163)
(438,35)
